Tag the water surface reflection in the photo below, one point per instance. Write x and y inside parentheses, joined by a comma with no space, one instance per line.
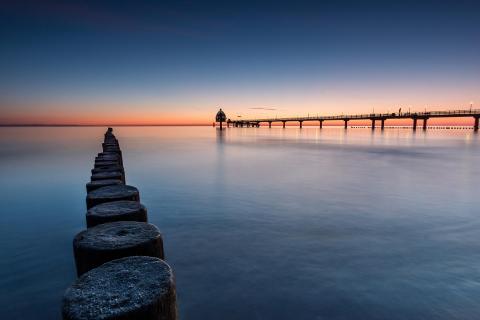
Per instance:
(260,223)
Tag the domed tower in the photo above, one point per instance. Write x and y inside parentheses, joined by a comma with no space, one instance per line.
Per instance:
(221,117)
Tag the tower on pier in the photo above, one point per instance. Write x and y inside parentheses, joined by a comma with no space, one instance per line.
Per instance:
(221,117)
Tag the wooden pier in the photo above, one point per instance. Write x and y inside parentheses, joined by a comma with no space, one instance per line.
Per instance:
(373,117)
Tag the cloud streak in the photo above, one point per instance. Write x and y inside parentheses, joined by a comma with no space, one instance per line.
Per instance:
(263,108)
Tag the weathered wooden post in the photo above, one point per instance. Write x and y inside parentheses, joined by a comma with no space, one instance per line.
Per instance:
(128,288)
(111,168)
(107,175)
(118,258)
(103,163)
(116,211)
(111,156)
(109,241)
(102,183)
(112,193)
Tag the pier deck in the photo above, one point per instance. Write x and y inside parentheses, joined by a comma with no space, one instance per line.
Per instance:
(373,117)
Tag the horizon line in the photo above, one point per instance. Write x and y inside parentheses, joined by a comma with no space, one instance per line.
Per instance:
(204,125)
(99,125)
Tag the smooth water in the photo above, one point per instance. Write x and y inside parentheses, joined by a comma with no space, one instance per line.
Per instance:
(260,223)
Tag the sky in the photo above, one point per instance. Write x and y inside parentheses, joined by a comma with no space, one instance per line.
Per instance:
(177,62)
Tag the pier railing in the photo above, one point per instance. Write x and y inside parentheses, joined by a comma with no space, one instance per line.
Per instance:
(425,115)
(408,114)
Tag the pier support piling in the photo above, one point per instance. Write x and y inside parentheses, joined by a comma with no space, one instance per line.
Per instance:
(414,124)
(475,125)
(284,124)
(424,124)
(270,124)
(373,124)
(321,124)
(383,124)
(301,124)
(346,124)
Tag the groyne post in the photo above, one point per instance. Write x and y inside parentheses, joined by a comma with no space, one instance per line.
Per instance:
(130,288)
(114,240)
(120,254)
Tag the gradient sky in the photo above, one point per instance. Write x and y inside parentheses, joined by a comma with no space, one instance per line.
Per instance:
(105,62)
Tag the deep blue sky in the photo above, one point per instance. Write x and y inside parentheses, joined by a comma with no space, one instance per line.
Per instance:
(176,61)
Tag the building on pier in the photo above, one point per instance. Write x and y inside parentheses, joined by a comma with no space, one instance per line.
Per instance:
(221,118)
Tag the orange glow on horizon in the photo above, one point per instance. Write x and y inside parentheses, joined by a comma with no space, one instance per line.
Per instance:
(149,114)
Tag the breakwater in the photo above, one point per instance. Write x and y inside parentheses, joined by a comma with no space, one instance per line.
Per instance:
(119,257)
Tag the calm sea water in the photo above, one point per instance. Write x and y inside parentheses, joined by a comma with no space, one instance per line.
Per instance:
(260,223)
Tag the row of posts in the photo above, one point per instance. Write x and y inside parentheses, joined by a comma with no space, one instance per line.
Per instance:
(239,124)
(119,257)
